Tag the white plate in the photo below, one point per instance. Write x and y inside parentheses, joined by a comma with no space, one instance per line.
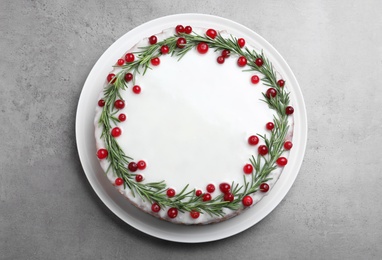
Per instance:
(143,221)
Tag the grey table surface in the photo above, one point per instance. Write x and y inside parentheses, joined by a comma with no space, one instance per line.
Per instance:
(48,210)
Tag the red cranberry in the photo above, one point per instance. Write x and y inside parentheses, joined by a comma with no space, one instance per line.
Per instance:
(202,48)
(198,193)
(179,29)
(101,102)
(136,89)
(270,126)
(164,49)
(194,214)
(255,79)
(111,78)
(289,110)
(118,181)
(141,165)
(220,59)
(247,201)
(116,131)
(128,77)
(188,29)
(155,207)
(259,62)
(139,178)
(102,154)
(263,150)
(253,140)
(226,53)
(242,61)
(119,104)
(122,117)
(288,145)
(271,92)
(172,213)
(281,83)
(282,161)
(207,197)
(248,168)
(132,166)
(155,61)
(120,62)
(210,188)
(129,57)
(211,33)
(153,39)
(264,187)
(228,197)
(241,42)
(225,187)
(181,43)
(170,192)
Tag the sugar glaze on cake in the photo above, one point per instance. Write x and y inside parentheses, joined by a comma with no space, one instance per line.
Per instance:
(190,124)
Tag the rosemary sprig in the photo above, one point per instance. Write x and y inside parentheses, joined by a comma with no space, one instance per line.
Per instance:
(186,200)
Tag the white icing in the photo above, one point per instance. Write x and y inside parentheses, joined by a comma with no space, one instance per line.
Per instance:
(190,124)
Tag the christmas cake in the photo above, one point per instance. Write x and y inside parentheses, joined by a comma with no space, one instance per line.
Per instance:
(193,125)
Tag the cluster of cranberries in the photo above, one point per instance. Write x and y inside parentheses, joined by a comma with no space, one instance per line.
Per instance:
(272,93)
(111,78)
(211,33)
(181,41)
(263,150)
(254,140)
(116,131)
(153,40)
(133,167)
(224,187)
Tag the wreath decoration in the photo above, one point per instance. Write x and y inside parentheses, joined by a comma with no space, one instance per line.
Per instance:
(233,195)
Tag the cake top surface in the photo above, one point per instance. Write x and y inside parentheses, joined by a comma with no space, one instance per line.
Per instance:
(190,122)
(183,123)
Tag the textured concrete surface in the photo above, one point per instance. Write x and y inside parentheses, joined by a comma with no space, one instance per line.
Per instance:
(48,210)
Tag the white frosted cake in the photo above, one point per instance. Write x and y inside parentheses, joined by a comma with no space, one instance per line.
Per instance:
(196,131)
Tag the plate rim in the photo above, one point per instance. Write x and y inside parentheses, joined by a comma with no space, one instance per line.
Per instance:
(83,156)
